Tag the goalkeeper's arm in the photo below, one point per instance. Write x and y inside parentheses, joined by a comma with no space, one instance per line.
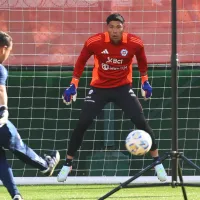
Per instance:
(71,92)
(146,89)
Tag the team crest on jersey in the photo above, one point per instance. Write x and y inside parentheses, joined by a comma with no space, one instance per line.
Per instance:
(124,52)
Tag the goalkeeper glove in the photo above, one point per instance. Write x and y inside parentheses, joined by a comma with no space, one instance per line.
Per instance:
(71,92)
(3,115)
(146,89)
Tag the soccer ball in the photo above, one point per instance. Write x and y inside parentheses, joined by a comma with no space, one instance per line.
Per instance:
(138,142)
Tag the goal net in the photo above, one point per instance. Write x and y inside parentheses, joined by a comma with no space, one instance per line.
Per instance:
(48,36)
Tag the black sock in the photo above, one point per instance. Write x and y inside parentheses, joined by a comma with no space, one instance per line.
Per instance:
(68,162)
(157,158)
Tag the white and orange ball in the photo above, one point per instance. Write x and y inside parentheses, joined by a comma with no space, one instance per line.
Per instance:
(138,142)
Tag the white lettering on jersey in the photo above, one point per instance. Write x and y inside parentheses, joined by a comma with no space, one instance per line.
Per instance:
(105,66)
(114,60)
(108,67)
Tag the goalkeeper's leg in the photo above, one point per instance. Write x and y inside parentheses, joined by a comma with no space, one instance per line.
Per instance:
(91,108)
(133,109)
(46,165)
(141,123)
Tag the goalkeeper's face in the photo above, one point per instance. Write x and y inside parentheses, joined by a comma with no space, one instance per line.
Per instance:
(115,30)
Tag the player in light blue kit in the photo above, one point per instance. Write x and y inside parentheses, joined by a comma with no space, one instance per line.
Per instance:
(10,138)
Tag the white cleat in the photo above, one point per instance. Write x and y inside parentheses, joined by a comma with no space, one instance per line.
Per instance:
(161,173)
(52,161)
(64,172)
(18,197)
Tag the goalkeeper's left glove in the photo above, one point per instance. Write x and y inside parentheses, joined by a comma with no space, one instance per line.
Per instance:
(71,92)
(3,115)
(146,89)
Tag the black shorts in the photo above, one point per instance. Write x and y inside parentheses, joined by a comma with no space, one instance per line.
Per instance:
(123,96)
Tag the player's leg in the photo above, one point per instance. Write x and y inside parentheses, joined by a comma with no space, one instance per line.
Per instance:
(133,109)
(93,104)
(26,154)
(141,123)
(6,174)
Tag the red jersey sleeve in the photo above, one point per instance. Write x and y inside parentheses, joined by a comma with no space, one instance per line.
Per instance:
(141,60)
(81,61)
(139,53)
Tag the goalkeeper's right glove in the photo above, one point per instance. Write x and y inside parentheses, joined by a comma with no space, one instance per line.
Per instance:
(3,115)
(71,92)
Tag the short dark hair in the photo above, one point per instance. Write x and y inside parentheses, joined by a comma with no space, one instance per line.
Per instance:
(115,17)
(5,39)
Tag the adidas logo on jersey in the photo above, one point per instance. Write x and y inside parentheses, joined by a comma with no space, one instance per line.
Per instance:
(105,51)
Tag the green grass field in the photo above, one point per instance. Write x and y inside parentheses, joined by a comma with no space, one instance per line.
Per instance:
(90,192)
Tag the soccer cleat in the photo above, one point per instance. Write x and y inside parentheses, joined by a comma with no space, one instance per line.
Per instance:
(161,173)
(52,162)
(18,197)
(62,176)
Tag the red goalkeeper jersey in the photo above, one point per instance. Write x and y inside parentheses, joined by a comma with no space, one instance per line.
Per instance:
(112,63)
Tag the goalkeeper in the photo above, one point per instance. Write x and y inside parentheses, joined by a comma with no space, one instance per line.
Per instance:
(111,82)
(10,138)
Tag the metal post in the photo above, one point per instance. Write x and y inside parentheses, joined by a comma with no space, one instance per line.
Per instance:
(174,78)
